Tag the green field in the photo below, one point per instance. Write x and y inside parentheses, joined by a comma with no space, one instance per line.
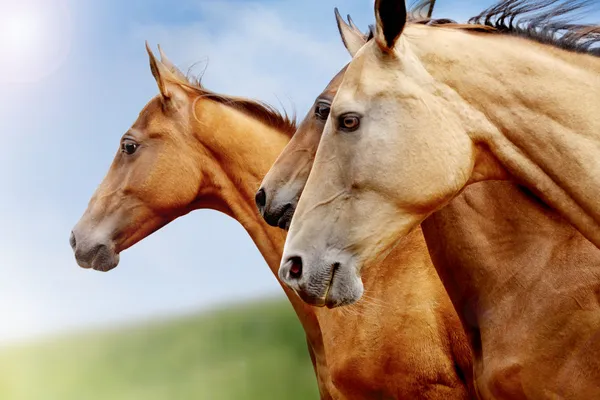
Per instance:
(253,352)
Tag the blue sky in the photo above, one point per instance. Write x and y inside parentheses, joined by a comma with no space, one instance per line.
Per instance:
(60,130)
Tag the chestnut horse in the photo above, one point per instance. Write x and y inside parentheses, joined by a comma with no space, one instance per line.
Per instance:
(523,280)
(191,148)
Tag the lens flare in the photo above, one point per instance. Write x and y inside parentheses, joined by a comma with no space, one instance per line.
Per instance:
(34,39)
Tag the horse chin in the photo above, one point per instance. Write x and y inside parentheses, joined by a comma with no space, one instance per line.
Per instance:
(105,264)
(344,291)
(286,219)
(101,258)
(344,288)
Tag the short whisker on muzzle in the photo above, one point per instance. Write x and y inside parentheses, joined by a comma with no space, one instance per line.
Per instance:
(372,302)
(348,311)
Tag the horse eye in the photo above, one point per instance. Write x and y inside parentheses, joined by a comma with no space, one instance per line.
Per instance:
(322,110)
(129,147)
(349,122)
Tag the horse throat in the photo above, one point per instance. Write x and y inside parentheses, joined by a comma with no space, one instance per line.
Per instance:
(242,151)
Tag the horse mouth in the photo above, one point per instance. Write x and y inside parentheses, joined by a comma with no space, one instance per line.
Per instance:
(100,258)
(104,267)
(286,217)
(105,261)
(327,300)
(321,300)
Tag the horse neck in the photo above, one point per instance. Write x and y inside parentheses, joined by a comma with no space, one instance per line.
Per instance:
(496,245)
(242,150)
(542,102)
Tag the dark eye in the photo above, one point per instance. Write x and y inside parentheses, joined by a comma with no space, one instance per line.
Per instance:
(349,122)
(129,147)
(322,110)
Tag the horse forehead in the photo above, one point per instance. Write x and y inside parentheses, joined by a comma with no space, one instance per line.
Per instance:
(335,83)
(152,107)
(365,77)
(358,90)
(151,116)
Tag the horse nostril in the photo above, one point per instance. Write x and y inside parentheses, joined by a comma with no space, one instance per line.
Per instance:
(296,267)
(72,241)
(261,198)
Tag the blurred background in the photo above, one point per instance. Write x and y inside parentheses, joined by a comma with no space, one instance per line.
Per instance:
(192,311)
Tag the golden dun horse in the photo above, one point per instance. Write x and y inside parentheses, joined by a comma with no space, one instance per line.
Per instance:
(423,111)
(523,280)
(191,148)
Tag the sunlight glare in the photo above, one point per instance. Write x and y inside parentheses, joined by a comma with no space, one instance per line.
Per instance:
(21,33)
(34,39)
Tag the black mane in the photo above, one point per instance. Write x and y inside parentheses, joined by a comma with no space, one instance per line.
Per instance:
(550,22)
(545,21)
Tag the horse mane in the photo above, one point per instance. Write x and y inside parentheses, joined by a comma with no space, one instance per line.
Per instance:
(256,109)
(549,22)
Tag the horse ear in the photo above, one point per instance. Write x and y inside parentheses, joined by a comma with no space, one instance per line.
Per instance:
(158,71)
(352,24)
(170,66)
(352,38)
(390,16)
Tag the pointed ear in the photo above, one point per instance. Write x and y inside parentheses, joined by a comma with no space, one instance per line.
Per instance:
(170,66)
(390,16)
(158,71)
(430,10)
(352,24)
(169,80)
(353,39)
